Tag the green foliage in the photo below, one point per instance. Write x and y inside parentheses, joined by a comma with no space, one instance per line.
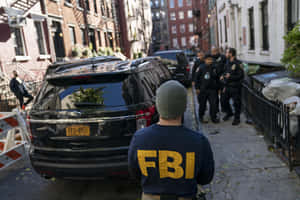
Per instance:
(76,52)
(89,95)
(291,56)
(140,54)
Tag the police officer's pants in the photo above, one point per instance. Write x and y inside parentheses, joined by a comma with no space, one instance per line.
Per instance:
(235,95)
(212,97)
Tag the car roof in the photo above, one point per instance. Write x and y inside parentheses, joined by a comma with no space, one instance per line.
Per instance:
(168,51)
(96,65)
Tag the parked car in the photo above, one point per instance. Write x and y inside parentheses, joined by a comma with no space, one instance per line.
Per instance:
(86,112)
(179,65)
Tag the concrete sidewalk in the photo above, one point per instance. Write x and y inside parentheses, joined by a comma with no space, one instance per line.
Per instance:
(245,169)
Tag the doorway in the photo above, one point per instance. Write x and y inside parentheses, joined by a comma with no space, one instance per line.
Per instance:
(58,40)
(92,39)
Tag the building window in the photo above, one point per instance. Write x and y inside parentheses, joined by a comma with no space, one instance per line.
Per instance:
(221,31)
(265,25)
(163,14)
(175,42)
(182,28)
(180,3)
(95,6)
(87,4)
(189,2)
(190,14)
(40,37)
(174,29)
(19,41)
(102,3)
(68,1)
(79,3)
(172,3)
(99,38)
(173,16)
(72,35)
(181,15)
(83,38)
(251,29)
(162,3)
(225,26)
(156,3)
(293,13)
(157,15)
(183,41)
(191,28)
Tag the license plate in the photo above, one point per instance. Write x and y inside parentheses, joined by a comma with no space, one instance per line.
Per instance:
(78,131)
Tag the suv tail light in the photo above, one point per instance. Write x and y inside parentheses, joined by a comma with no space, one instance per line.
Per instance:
(188,68)
(145,117)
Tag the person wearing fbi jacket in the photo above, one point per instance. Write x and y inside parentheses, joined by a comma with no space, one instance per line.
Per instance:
(168,158)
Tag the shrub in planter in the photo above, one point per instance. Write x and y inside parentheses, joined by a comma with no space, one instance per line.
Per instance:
(86,53)
(76,52)
(101,51)
(291,57)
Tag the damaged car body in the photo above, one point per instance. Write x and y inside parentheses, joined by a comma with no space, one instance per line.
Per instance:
(86,112)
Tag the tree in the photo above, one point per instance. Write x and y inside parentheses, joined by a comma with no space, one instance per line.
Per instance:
(291,57)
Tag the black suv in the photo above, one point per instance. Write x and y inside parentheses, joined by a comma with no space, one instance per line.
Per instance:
(178,64)
(86,112)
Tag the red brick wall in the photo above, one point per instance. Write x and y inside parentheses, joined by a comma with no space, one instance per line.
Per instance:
(73,16)
(178,22)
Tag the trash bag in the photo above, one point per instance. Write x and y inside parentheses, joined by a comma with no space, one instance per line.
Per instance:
(294,104)
(281,89)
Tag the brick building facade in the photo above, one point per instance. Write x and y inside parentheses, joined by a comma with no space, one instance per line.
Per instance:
(160,19)
(135,26)
(181,23)
(201,21)
(24,40)
(89,23)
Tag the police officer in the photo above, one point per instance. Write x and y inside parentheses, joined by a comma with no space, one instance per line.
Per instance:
(219,60)
(198,64)
(207,89)
(233,85)
(222,83)
(170,159)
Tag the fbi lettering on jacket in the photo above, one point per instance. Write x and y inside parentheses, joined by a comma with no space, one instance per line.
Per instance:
(167,160)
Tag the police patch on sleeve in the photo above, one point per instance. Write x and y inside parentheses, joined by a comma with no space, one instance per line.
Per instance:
(233,67)
(198,69)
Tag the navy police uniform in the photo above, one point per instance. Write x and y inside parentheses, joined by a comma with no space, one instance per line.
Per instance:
(233,88)
(171,161)
(207,83)
(197,66)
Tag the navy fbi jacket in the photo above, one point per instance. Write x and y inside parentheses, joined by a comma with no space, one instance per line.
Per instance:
(170,160)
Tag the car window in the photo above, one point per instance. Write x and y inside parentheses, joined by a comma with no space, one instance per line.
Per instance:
(169,56)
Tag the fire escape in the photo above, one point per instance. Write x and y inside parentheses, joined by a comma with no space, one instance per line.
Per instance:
(21,5)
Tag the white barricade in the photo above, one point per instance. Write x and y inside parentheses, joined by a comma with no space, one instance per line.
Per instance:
(12,126)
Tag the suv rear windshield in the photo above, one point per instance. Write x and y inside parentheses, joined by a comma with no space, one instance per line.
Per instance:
(169,56)
(103,94)
(122,92)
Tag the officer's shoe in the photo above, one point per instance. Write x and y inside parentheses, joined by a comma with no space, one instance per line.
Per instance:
(236,122)
(202,120)
(215,120)
(227,117)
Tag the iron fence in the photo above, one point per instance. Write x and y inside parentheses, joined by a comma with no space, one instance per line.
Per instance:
(274,119)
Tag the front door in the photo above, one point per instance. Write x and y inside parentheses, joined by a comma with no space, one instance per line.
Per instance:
(92,39)
(58,40)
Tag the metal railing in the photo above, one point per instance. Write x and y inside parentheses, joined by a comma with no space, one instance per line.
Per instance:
(274,119)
